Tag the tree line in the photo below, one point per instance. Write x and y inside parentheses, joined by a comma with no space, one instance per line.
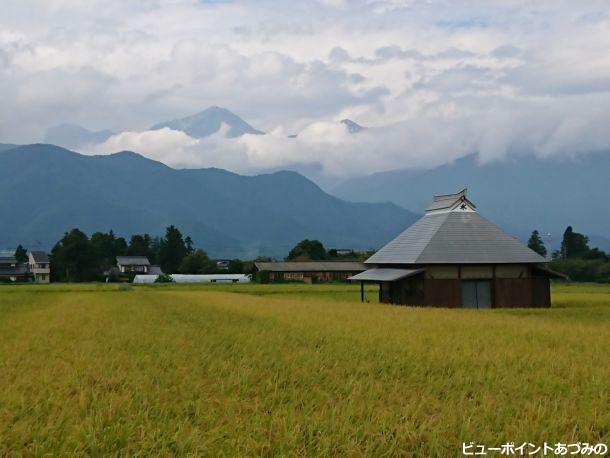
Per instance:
(77,258)
(575,257)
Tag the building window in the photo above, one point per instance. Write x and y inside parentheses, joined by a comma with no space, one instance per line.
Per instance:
(295,276)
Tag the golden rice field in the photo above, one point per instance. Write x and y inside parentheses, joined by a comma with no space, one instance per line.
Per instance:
(242,370)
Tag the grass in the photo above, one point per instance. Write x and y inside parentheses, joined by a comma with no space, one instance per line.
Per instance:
(293,370)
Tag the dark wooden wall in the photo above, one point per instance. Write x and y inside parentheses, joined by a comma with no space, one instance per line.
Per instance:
(541,292)
(443,293)
(512,292)
(409,291)
(522,292)
(385,295)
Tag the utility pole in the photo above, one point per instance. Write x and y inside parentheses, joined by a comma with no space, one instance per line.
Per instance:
(549,251)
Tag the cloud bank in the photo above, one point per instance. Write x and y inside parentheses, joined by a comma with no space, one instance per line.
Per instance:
(434,80)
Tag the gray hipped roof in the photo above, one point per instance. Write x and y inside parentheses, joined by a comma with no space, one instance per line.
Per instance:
(454,237)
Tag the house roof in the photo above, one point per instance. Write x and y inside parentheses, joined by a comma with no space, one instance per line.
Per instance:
(17,271)
(39,256)
(449,201)
(383,274)
(454,235)
(8,260)
(551,273)
(133,260)
(311,266)
(155,270)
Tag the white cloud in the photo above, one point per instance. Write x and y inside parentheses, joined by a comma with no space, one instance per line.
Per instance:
(334,3)
(561,128)
(445,78)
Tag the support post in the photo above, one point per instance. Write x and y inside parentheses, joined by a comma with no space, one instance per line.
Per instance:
(361,291)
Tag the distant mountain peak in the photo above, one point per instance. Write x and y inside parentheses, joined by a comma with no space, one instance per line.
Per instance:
(216,108)
(46,149)
(126,154)
(209,122)
(352,127)
(73,136)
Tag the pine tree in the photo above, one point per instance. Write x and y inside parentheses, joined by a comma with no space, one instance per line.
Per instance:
(172,250)
(574,245)
(188,242)
(21,255)
(536,243)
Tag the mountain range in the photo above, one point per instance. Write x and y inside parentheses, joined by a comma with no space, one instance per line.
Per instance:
(75,136)
(203,124)
(200,125)
(520,193)
(7,146)
(46,190)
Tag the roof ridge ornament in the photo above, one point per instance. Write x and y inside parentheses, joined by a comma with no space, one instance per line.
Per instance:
(455,196)
(445,203)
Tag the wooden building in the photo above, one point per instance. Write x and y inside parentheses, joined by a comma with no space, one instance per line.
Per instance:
(310,271)
(453,257)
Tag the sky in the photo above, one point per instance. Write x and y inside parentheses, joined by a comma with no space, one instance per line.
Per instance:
(433,79)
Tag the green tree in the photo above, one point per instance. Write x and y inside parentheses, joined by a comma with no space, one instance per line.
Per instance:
(155,248)
(140,245)
(263,276)
(21,255)
(596,253)
(307,250)
(188,242)
(574,245)
(236,266)
(120,246)
(197,262)
(536,243)
(73,258)
(172,250)
(107,247)
(580,269)
(164,278)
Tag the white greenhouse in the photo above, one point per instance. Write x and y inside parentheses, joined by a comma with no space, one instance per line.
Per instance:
(182,278)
